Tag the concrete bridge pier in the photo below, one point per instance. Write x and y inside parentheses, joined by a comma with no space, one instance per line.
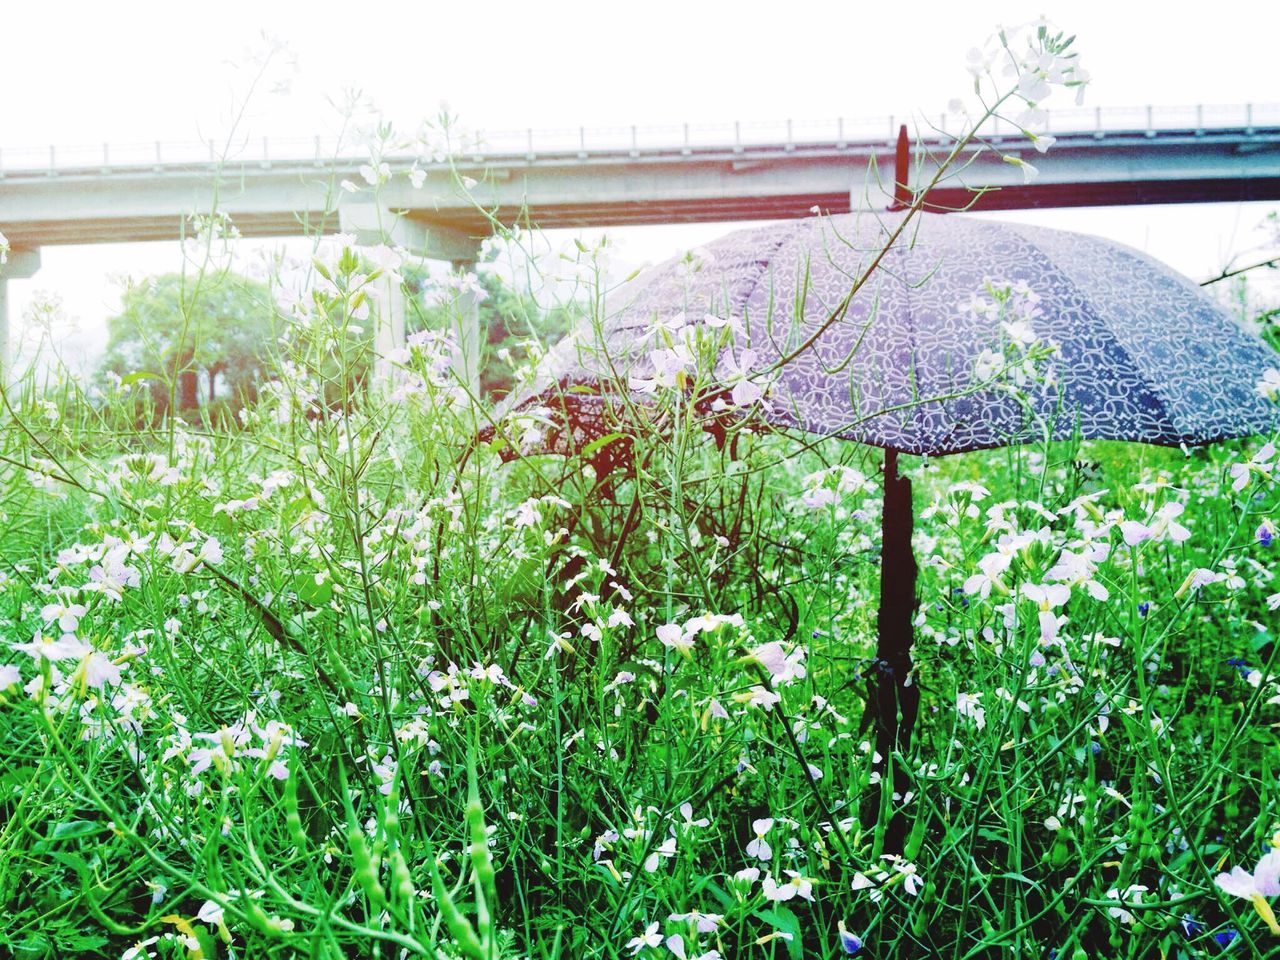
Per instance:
(373,224)
(20,265)
(466,329)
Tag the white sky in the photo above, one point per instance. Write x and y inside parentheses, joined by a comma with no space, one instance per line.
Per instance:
(88,72)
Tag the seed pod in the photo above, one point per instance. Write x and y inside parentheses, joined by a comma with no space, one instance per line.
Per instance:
(914,842)
(919,922)
(401,878)
(366,870)
(391,810)
(481,860)
(261,922)
(458,925)
(340,671)
(292,818)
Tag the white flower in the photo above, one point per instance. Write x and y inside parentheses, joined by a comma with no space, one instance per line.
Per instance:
(1042,142)
(650,938)
(992,566)
(210,551)
(759,847)
(969,705)
(111,577)
(1162,527)
(1046,596)
(674,637)
(1197,578)
(733,323)
(744,392)
(797,886)
(911,881)
(686,811)
(703,922)
(1029,172)
(1131,894)
(783,667)
(66,647)
(665,850)
(988,364)
(210,912)
(375,175)
(527,514)
(1255,887)
(979,61)
(1259,463)
(1268,385)
(67,615)
(9,676)
(1032,86)
(1020,332)
(139,949)
(745,878)
(98,669)
(758,696)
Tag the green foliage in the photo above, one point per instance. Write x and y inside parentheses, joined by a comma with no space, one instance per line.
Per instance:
(174,328)
(339,689)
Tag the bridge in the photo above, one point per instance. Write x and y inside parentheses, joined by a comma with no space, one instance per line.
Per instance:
(622,176)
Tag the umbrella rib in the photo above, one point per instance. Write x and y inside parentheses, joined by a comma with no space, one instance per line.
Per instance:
(766,265)
(1104,324)
(913,335)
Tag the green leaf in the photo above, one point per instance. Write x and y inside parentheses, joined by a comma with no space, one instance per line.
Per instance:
(600,443)
(14,779)
(722,896)
(781,918)
(308,591)
(139,375)
(74,829)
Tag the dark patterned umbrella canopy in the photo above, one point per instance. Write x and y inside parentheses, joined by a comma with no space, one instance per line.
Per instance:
(1141,353)
(964,334)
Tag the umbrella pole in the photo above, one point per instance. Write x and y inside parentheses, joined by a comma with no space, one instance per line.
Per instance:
(894,701)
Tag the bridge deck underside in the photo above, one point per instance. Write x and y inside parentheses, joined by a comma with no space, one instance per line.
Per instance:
(33,233)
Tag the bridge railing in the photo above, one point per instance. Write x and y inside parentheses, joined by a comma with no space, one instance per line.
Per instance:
(584,142)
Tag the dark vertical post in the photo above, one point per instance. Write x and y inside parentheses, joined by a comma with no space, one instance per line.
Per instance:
(902,171)
(895,699)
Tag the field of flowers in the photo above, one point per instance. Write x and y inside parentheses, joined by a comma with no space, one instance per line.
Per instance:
(332,680)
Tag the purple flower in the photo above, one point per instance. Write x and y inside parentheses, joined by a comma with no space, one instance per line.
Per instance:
(1241,665)
(848,941)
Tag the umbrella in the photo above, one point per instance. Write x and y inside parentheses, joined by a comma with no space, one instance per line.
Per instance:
(1099,340)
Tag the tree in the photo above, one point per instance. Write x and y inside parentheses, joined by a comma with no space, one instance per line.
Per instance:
(172,331)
